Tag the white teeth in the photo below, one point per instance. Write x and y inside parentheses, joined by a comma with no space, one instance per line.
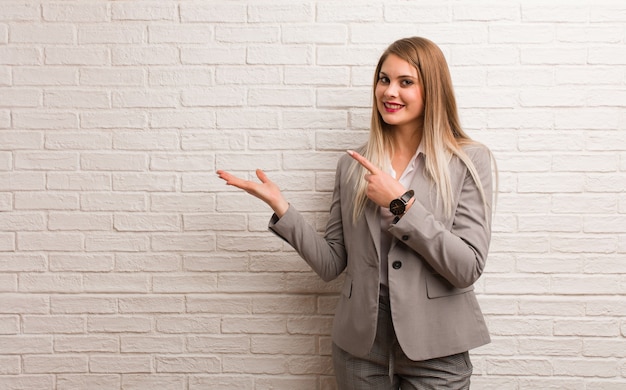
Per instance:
(393,106)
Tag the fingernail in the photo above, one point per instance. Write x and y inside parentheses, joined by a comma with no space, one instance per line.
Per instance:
(350,152)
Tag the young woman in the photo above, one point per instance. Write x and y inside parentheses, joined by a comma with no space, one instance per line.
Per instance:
(410,224)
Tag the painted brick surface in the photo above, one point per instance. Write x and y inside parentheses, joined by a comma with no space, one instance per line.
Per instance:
(125,263)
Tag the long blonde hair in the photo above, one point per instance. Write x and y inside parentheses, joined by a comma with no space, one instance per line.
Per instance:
(442,135)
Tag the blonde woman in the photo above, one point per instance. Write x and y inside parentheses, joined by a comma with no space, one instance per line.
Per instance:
(410,224)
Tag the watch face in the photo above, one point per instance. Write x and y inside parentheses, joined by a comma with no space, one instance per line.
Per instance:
(396,207)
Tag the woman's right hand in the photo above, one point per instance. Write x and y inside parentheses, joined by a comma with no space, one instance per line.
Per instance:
(267,190)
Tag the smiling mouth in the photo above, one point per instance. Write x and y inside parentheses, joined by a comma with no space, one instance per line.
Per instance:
(392,106)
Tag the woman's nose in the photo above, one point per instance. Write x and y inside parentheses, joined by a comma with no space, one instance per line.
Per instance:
(391,90)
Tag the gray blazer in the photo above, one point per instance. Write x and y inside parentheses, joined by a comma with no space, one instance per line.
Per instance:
(433,262)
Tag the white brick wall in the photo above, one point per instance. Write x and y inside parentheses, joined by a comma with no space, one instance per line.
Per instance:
(126,264)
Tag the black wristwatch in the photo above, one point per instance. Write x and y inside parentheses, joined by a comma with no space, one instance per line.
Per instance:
(398,206)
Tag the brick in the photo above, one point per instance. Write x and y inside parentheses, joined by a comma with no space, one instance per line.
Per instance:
(14,97)
(56,76)
(183,242)
(111,33)
(79,181)
(9,325)
(113,202)
(18,382)
(249,119)
(12,140)
(181,119)
(221,382)
(75,304)
(213,56)
(52,324)
(48,161)
(20,11)
(542,12)
(153,55)
(87,381)
(254,365)
(155,140)
(342,56)
(218,344)
(116,242)
(46,201)
(116,119)
(51,283)
(201,222)
(153,344)
(8,282)
(143,99)
(185,284)
(22,304)
(180,34)
(41,364)
(196,324)
(152,304)
(188,364)
(9,365)
(177,203)
(519,367)
(315,33)
(72,12)
(279,345)
(157,182)
(20,56)
(76,99)
(603,368)
(22,222)
(115,161)
(328,75)
(336,12)
(77,141)
(119,324)
(181,76)
(152,380)
(247,34)
(214,96)
(284,54)
(37,33)
(26,344)
(146,222)
(80,262)
(119,364)
(287,97)
(280,13)
(76,56)
(219,304)
(213,12)
(116,76)
(129,262)
(143,10)
(116,283)
(45,120)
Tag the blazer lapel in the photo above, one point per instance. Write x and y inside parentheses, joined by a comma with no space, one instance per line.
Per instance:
(372,216)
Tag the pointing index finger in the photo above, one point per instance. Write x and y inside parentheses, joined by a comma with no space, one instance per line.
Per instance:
(363,161)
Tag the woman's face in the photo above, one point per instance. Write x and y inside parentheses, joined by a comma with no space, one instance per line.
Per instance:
(399,97)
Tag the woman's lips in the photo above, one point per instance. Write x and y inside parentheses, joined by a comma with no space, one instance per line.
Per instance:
(392,107)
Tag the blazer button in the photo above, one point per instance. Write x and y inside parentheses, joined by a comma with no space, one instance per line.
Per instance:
(405,237)
(396,264)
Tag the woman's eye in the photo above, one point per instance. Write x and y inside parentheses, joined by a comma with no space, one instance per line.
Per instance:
(383,79)
(406,83)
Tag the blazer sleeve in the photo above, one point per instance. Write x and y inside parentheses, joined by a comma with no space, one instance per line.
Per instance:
(326,255)
(459,253)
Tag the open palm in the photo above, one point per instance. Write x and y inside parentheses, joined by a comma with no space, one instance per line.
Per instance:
(267,190)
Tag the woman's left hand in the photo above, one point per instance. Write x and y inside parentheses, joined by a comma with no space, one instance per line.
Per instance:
(382,188)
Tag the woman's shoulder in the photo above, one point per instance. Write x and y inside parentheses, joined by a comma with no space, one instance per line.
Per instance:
(478,153)
(476,150)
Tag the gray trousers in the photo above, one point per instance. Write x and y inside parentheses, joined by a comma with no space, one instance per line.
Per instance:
(386,367)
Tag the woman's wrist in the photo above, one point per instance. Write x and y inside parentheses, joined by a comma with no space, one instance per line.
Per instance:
(280,208)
